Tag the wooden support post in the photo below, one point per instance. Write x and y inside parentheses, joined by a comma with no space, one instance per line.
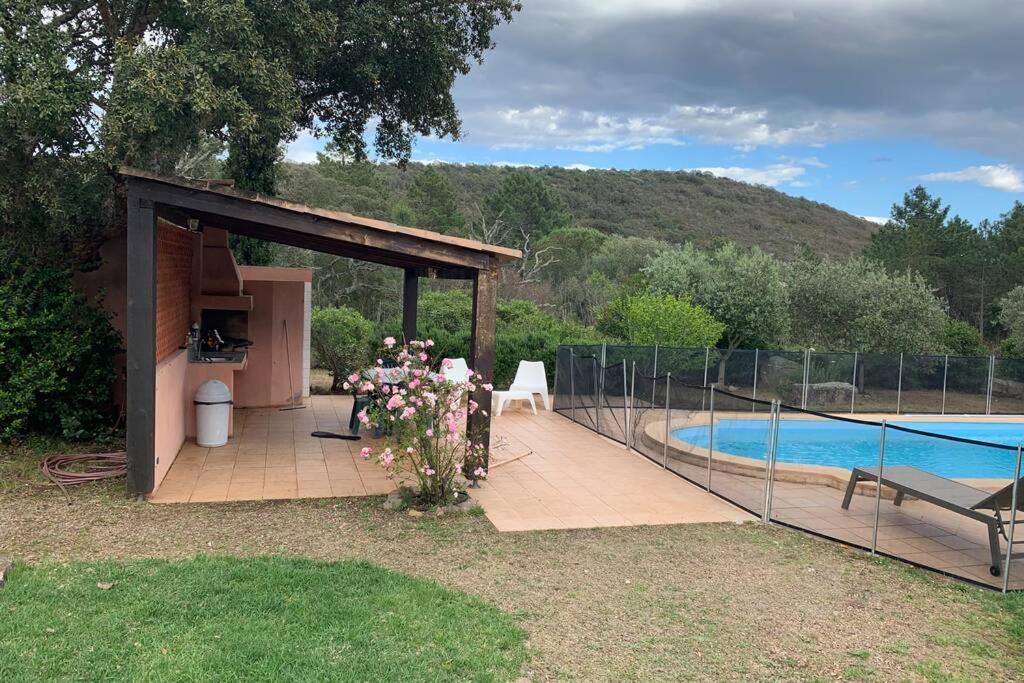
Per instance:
(141,343)
(485,301)
(410,300)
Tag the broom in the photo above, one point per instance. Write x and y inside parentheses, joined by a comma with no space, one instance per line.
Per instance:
(288,357)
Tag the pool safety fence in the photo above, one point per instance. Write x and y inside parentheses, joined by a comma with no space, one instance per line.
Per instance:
(856,382)
(753,450)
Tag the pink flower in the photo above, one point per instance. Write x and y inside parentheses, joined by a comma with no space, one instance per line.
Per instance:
(365,452)
(480,472)
(394,402)
(389,342)
(447,363)
(408,412)
(423,356)
(430,432)
(428,343)
(362,417)
(428,471)
(354,377)
(488,387)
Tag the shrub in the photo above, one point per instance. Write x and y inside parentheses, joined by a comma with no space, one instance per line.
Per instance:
(646,319)
(56,357)
(340,339)
(962,339)
(425,418)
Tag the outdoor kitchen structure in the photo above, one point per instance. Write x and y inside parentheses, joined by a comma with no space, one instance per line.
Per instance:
(251,328)
(189,313)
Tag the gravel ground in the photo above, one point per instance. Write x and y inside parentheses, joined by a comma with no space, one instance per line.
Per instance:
(693,602)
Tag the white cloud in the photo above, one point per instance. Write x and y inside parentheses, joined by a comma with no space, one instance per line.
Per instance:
(879,220)
(589,131)
(1001,177)
(773,175)
(581,167)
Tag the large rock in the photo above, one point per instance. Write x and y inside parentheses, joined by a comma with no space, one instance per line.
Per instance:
(777,371)
(1007,387)
(821,394)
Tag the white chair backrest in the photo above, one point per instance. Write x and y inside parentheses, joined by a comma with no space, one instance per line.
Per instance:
(531,375)
(458,372)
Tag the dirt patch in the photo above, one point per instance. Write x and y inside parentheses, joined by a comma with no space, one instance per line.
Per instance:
(705,602)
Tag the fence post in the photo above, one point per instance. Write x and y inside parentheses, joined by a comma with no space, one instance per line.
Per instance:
(711,434)
(945,376)
(806,378)
(853,393)
(1013,522)
(625,405)
(991,379)
(668,420)
(878,489)
(899,386)
(599,372)
(756,358)
(775,458)
(572,384)
(768,462)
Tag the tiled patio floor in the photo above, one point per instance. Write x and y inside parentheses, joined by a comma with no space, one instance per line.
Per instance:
(273,456)
(547,473)
(915,531)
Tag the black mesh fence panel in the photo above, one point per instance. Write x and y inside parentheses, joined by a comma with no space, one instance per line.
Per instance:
(830,380)
(878,383)
(1008,387)
(780,376)
(967,385)
(922,384)
(736,439)
(614,393)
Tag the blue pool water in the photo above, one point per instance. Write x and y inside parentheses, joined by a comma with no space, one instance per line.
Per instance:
(848,445)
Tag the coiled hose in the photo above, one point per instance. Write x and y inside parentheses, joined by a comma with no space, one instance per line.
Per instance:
(88,467)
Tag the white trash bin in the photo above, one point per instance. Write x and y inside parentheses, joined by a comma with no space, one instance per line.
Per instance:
(213,413)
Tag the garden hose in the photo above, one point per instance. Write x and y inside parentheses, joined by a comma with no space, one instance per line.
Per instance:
(88,467)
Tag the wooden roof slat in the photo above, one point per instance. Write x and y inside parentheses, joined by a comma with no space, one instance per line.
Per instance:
(317,229)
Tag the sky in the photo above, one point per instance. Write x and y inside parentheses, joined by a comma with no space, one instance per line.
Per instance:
(850,103)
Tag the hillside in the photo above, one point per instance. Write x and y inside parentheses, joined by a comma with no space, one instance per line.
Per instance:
(672,206)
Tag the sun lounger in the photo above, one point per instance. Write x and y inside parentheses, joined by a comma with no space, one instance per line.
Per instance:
(947,494)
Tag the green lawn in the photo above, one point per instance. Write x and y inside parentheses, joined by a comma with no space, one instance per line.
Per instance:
(268,618)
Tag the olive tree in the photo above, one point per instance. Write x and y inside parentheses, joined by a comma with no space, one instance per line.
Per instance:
(856,305)
(742,288)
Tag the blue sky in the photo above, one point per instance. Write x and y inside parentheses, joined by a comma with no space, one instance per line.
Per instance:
(850,104)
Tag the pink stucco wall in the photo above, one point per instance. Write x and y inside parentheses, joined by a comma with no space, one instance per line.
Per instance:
(278,299)
(171,409)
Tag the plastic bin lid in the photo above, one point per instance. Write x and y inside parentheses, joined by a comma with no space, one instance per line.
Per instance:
(213,391)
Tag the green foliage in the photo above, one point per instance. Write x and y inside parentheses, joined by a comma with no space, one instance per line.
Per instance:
(527,207)
(524,331)
(855,305)
(961,339)
(341,341)
(86,87)
(433,203)
(670,206)
(950,254)
(56,357)
(572,251)
(1011,317)
(647,319)
(742,288)
(622,258)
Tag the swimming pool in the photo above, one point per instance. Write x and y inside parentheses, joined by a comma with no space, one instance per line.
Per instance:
(849,445)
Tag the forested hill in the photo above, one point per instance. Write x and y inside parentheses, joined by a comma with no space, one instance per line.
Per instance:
(672,206)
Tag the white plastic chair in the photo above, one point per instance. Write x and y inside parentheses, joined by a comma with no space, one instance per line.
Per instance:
(530,376)
(458,372)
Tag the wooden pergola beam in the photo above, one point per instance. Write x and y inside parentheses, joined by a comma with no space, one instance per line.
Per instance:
(481,352)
